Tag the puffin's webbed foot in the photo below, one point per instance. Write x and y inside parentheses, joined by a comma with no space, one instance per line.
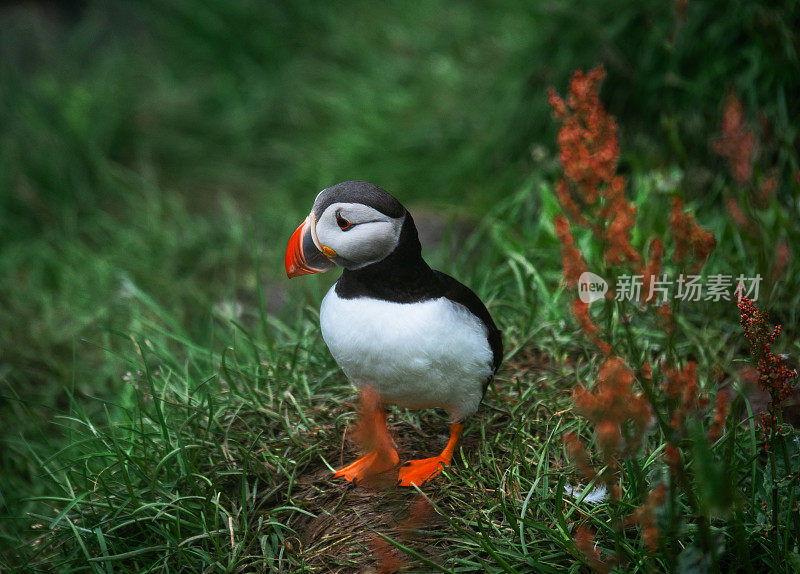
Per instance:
(375,462)
(420,471)
(373,436)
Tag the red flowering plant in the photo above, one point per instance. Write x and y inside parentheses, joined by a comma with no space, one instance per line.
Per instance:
(779,381)
(751,193)
(760,227)
(774,374)
(642,389)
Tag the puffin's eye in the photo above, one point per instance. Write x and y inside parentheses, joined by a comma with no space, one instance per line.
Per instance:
(343,224)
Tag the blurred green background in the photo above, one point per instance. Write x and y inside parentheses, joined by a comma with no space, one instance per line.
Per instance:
(157,155)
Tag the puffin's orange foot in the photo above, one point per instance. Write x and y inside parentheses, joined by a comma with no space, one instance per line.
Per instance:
(375,462)
(420,471)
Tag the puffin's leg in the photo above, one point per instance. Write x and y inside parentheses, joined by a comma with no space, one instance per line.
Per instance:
(372,435)
(419,471)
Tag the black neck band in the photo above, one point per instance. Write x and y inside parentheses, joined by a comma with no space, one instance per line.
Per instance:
(402,276)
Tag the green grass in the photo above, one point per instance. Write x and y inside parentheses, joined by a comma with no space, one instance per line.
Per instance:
(221,453)
(166,398)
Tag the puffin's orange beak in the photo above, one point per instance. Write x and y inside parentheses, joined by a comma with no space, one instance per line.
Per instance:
(302,255)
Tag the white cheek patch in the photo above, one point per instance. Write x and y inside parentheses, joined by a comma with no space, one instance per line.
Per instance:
(373,234)
(368,242)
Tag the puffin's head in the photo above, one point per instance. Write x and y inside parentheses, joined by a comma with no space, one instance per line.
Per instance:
(352,224)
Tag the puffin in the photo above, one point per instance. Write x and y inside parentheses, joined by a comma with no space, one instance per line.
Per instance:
(404,334)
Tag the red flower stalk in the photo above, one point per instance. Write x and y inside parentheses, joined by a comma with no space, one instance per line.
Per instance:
(666,319)
(572,209)
(652,270)
(737,141)
(577,452)
(681,386)
(774,375)
(581,311)
(584,540)
(681,380)
(737,214)
(691,240)
(611,405)
(571,258)
(767,189)
(673,456)
(587,139)
(645,517)
(589,152)
(621,218)
(647,372)
(389,559)
(782,256)
(720,413)
(609,436)
(420,512)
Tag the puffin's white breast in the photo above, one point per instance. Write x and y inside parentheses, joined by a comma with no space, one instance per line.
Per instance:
(433,353)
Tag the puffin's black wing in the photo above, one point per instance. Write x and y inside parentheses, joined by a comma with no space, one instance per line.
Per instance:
(460,293)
